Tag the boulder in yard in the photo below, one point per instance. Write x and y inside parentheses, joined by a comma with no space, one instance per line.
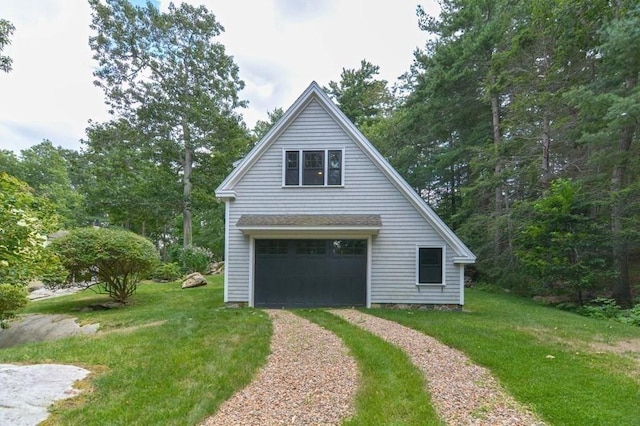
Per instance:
(194,280)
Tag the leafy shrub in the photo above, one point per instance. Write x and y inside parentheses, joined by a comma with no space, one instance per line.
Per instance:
(604,308)
(634,315)
(601,308)
(25,221)
(167,272)
(191,259)
(117,258)
(12,298)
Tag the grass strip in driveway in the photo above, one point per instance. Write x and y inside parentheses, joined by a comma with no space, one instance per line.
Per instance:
(392,388)
(170,358)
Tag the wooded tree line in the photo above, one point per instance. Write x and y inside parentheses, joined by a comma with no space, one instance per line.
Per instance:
(517,122)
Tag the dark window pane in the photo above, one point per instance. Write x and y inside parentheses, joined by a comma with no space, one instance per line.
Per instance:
(335,177)
(313,177)
(335,159)
(430,266)
(292,175)
(313,171)
(311,247)
(271,247)
(335,168)
(313,160)
(349,247)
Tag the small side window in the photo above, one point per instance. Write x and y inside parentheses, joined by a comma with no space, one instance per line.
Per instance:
(335,168)
(430,265)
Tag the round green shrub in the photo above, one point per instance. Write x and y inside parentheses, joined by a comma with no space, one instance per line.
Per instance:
(117,258)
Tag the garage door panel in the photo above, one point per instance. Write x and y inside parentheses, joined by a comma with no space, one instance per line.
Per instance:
(312,273)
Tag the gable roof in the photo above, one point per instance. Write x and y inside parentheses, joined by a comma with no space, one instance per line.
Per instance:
(314,92)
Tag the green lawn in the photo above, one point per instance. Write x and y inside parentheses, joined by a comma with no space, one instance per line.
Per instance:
(543,356)
(174,355)
(171,358)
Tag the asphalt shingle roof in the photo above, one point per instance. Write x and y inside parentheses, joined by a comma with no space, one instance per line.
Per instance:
(342,220)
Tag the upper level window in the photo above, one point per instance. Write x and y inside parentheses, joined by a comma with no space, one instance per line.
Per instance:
(313,167)
(430,265)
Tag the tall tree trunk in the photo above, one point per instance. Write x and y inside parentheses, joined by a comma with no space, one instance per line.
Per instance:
(495,118)
(187,229)
(546,148)
(622,289)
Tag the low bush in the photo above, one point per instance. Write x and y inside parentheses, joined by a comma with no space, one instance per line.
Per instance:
(607,309)
(12,298)
(191,259)
(167,272)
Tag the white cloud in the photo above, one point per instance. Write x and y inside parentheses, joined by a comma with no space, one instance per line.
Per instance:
(279,45)
(50,89)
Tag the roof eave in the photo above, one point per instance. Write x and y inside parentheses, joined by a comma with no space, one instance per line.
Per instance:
(302,231)
(226,194)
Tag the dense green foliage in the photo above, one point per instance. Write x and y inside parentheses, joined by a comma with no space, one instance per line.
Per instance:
(559,243)
(191,259)
(118,259)
(48,170)
(25,222)
(12,298)
(167,271)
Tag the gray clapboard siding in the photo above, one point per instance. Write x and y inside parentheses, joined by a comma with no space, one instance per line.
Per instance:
(366,191)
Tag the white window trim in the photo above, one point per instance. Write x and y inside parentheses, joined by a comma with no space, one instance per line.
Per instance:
(442,282)
(301,168)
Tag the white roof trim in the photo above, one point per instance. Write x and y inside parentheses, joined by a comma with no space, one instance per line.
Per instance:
(315,92)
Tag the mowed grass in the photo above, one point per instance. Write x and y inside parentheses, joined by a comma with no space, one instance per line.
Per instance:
(557,363)
(173,356)
(391,389)
(170,358)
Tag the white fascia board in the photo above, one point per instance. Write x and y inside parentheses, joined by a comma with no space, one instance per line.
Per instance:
(226,194)
(464,260)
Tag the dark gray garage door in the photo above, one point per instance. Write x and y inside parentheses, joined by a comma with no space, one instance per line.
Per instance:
(310,273)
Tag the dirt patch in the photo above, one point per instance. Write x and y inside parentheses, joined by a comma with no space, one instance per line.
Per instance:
(132,328)
(627,349)
(623,347)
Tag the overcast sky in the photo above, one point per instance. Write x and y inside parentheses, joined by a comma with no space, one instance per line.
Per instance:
(280,46)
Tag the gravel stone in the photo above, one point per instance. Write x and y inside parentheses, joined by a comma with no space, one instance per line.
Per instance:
(462,393)
(309,379)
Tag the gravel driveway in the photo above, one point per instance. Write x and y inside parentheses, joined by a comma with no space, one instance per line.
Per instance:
(463,393)
(309,379)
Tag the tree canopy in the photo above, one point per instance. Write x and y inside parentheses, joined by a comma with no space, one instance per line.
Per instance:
(168,77)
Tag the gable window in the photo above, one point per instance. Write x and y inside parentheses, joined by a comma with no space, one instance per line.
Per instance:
(313,167)
(430,265)
(292,171)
